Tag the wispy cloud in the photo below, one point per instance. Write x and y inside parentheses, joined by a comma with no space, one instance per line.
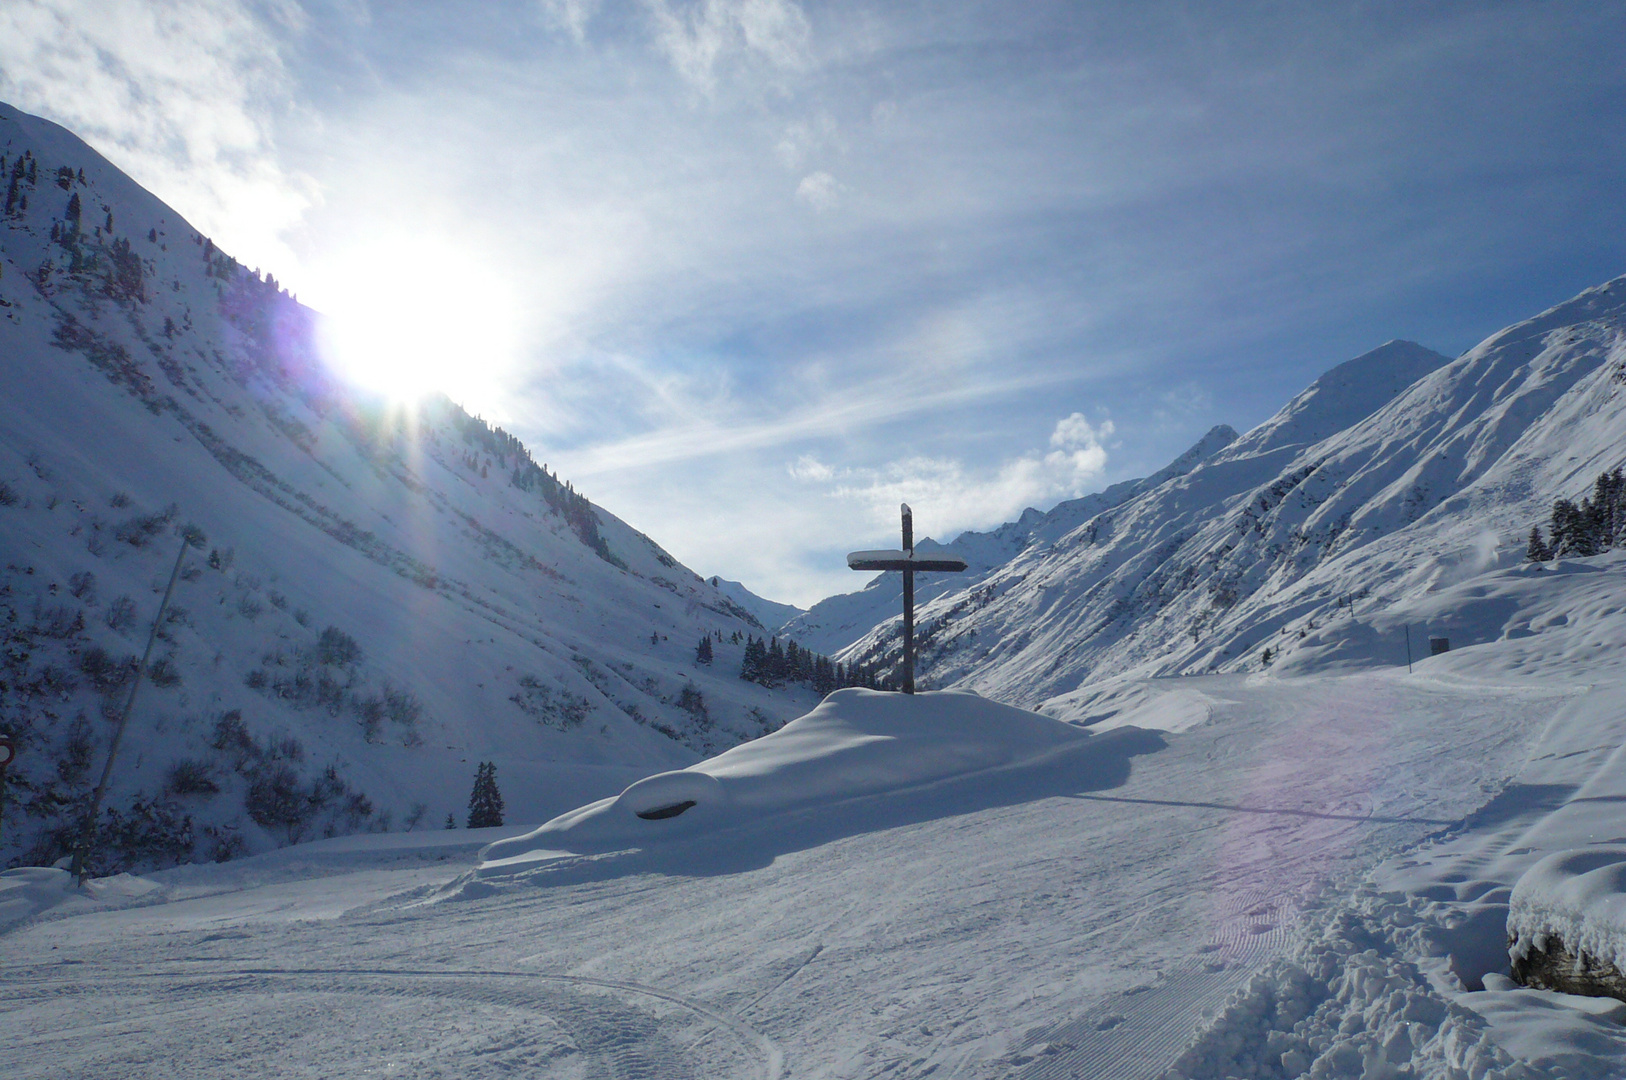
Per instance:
(182,94)
(715,435)
(820,190)
(700,35)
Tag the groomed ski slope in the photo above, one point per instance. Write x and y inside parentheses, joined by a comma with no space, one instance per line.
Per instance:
(1294,876)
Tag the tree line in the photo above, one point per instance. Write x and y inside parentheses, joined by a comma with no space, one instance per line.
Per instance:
(1594,526)
(768,663)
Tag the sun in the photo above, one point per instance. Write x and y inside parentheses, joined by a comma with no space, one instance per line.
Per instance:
(406,318)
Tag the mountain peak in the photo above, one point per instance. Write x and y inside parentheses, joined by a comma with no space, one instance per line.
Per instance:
(1343,396)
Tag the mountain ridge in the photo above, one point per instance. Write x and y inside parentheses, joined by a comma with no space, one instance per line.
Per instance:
(1273,538)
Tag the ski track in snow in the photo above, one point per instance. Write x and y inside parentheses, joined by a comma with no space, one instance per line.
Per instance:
(613,1032)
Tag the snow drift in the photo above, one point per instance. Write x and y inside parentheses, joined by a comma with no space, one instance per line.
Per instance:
(855,743)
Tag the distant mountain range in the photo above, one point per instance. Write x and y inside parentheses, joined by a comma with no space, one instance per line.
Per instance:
(1393,476)
(836,622)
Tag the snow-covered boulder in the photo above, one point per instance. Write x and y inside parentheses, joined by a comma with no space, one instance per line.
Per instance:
(855,743)
(1566,923)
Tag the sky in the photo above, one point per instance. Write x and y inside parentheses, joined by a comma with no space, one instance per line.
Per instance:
(752,272)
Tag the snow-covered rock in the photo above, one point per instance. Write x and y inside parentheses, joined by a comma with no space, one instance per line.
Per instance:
(1566,922)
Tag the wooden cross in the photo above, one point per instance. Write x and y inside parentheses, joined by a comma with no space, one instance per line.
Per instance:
(910,563)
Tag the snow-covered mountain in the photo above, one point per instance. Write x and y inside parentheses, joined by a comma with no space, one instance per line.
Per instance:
(380,599)
(1398,473)
(836,622)
(771,614)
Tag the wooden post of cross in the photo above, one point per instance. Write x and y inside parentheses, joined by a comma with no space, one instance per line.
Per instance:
(909,564)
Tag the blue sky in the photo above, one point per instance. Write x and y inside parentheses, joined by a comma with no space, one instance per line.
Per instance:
(750,272)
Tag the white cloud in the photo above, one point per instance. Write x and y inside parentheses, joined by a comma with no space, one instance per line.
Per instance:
(180,94)
(805,138)
(697,36)
(570,16)
(820,190)
(1075,432)
(951,497)
(808,467)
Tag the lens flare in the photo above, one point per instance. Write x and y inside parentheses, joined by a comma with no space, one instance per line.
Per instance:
(406,319)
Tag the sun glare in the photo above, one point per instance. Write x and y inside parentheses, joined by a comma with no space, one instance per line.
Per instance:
(408,319)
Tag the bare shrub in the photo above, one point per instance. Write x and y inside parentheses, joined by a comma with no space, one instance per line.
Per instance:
(188,776)
(163,673)
(83,586)
(121,614)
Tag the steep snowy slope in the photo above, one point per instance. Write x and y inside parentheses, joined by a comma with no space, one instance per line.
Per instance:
(770,613)
(1395,474)
(381,598)
(836,622)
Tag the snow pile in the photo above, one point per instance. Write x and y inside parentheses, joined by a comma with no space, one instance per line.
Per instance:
(1362,999)
(1582,1034)
(855,743)
(28,890)
(1577,897)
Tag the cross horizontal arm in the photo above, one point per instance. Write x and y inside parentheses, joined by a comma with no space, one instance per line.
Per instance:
(903,560)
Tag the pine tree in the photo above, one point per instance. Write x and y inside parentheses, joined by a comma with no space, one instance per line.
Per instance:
(485,801)
(451,823)
(1571,534)
(1536,550)
(702,651)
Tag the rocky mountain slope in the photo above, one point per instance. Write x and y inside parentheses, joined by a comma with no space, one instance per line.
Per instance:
(380,598)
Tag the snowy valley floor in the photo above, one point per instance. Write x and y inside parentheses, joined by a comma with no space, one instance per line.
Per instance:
(1296,876)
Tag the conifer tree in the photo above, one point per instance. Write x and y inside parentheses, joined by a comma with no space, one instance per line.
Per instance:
(702,651)
(485,801)
(1537,550)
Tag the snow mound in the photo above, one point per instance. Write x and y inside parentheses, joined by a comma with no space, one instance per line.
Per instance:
(28,890)
(855,743)
(1577,896)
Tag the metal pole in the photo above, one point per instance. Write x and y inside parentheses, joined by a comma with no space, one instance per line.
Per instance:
(908,603)
(1408,648)
(8,750)
(88,829)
